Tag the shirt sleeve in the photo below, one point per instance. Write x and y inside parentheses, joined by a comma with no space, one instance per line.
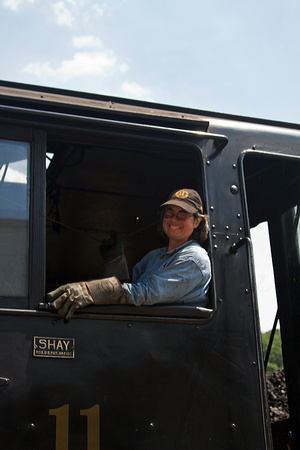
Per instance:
(170,285)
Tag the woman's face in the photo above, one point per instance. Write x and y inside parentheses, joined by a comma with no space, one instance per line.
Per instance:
(178,228)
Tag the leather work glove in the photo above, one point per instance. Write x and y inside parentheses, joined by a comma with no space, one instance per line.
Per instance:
(113,257)
(70,297)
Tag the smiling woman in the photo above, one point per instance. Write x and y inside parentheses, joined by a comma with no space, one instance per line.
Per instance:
(183,218)
(179,273)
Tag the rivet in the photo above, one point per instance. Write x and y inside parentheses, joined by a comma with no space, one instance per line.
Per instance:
(240,229)
(215,247)
(220,301)
(213,227)
(234,189)
(227,227)
(151,425)
(129,325)
(233,426)
(239,216)
(247,291)
(253,147)
(208,163)
(234,166)
(214,236)
(253,363)
(212,208)
(227,238)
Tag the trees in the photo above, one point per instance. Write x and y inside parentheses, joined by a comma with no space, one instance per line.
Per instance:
(275,359)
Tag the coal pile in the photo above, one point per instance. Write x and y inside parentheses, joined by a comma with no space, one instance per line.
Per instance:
(277,396)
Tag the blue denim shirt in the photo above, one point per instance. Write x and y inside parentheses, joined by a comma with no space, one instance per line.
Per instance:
(180,276)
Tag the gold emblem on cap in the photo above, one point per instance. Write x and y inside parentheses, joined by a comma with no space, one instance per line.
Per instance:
(182,194)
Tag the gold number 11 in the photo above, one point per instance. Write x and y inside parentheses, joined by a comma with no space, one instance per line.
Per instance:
(62,427)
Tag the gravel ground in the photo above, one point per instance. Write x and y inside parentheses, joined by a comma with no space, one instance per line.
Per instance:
(277,396)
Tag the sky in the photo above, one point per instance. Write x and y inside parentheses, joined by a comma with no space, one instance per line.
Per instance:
(236,57)
(264,274)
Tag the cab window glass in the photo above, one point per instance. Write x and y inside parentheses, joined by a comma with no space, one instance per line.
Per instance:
(14,218)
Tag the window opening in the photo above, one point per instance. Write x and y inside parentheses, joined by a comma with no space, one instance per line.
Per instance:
(49,157)
(266,296)
(93,189)
(14,215)
(273,186)
(265,284)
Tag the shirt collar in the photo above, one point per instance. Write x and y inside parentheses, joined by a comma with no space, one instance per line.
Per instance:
(165,249)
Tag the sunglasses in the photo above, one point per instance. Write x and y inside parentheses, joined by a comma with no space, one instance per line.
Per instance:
(181,215)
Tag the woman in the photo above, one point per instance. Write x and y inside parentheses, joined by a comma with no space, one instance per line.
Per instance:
(177,274)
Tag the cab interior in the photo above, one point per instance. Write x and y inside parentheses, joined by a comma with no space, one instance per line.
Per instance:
(109,184)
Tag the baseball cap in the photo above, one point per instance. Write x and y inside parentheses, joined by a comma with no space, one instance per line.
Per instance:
(187,199)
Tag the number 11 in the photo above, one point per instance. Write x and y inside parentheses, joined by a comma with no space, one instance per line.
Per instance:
(62,427)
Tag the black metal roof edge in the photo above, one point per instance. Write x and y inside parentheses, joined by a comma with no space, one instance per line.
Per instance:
(146,104)
(52,99)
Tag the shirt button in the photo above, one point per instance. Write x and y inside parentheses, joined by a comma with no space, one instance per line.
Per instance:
(150,273)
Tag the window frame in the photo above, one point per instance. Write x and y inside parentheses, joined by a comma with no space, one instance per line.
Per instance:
(155,313)
(36,138)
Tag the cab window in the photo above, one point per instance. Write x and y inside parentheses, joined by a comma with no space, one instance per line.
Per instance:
(14,218)
(110,185)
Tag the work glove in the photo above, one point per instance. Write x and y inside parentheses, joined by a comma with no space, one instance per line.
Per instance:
(113,257)
(70,297)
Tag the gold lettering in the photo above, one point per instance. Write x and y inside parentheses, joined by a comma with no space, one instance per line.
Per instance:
(42,343)
(62,427)
(66,344)
(51,344)
(59,345)
(93,427)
